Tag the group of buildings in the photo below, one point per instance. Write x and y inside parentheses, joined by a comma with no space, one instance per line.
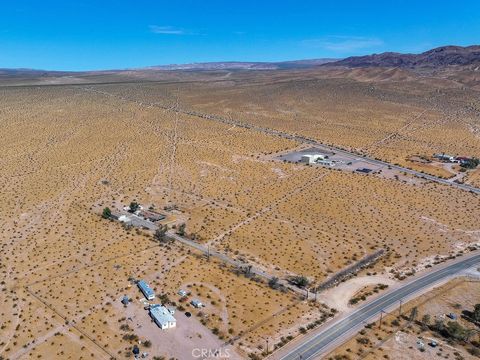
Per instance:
(462,160)
(161,315)
(148,215)
(319,159)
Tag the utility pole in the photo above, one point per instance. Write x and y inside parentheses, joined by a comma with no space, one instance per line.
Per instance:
(400,308)
(381,317)
(267,345)
(208,252)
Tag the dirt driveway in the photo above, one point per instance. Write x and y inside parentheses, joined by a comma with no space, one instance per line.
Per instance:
(189,340)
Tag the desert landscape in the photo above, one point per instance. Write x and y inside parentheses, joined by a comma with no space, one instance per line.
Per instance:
(253,237)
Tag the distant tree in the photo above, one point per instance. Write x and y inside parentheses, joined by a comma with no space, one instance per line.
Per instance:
(273,283)
(134,206)
(161,234)
(425,321)
(457,331)
(474,351)
(439,325)
(181,229)
(244,269)
(106,213)
(471,164)
(476,312)
(300,281)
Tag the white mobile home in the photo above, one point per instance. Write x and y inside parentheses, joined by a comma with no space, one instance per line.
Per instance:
(146,290)
(162,317)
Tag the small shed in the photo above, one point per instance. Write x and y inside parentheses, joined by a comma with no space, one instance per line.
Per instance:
(125,300)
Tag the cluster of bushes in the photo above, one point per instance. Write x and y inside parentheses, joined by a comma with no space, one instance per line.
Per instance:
(471,164)
(299,281)
(130,337)
(316,323)
(283,340)
(275,284)
(363,297)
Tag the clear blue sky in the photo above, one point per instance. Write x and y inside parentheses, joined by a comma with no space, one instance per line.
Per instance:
(114,34)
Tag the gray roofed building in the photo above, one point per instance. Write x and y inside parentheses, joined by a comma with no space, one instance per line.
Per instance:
(162,317)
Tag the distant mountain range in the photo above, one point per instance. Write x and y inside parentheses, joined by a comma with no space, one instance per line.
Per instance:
(226,65)
(32,72)
(239,65)
(442,57)
(436,58)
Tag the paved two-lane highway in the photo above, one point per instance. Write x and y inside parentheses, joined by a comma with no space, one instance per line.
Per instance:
(323,341)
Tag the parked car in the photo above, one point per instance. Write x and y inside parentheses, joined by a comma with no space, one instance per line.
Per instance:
(452,316)
(196,303)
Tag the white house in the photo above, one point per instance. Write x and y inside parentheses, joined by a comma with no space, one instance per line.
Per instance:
(445,157)
(163,317)
(125,219)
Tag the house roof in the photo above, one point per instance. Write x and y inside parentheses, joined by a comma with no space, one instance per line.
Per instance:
(145,288)
(161,314)
(152,215)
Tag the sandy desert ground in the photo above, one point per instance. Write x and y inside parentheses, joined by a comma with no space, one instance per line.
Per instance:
(70,150)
